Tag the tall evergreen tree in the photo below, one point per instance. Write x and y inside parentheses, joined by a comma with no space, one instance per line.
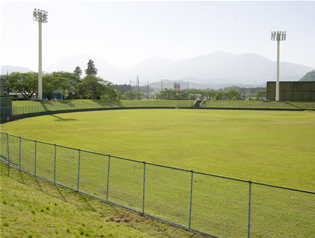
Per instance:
(91,70)
(78,71)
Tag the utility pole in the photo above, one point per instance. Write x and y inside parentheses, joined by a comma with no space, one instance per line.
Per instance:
(40,16)
(278,36)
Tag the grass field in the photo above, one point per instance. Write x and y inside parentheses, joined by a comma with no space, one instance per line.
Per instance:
(263,146)
(31,207)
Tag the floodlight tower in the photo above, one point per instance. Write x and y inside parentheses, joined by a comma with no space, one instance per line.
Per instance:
(278,36)
(40,16)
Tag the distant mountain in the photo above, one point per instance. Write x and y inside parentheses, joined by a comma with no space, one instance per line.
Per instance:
(220,68)
(310,76)
(208,71)
(7,69)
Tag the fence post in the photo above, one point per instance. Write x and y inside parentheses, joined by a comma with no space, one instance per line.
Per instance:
(249,206)
(8,148)
(79,171)
(108,178)
(20,155)
(35,156)
(55,163)
(143,193)
(190,204)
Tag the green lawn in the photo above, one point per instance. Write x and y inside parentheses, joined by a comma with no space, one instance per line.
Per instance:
(263,146)
(31,207)
(272,147)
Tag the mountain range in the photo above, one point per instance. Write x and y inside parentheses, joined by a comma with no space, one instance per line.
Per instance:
(212,70)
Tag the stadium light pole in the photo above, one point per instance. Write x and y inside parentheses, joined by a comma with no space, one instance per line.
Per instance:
(278,36)
(40,16)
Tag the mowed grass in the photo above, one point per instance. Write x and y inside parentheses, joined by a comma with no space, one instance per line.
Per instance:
(31,207)
(274,147)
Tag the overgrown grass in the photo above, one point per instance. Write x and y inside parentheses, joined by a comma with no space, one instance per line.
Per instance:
(31,207)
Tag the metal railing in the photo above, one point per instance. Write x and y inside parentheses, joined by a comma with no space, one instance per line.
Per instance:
(210,204)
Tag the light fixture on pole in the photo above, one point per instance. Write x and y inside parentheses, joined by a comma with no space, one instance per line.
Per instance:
(40,16)
(278,36)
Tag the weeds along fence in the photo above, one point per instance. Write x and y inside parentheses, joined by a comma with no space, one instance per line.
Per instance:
(213,205)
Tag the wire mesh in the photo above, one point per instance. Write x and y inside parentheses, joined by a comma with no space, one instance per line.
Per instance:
(93,174)
(28,155)
(220,206)
(67,166)
(45,160)
(4,146)
(14,150)
(167,193)
(278,212)
(126,183)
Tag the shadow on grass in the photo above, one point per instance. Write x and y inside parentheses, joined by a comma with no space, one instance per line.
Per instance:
(109,103)
(81,201)
(62,119)
(85,203)
(291,104)
(69,104)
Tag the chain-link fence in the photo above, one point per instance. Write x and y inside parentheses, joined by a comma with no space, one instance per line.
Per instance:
(213,205)
(17,112)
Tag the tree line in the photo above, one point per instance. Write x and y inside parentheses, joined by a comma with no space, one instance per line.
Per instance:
(70,85)
(221,94)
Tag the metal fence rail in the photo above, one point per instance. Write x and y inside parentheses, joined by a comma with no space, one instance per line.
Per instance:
(213,205)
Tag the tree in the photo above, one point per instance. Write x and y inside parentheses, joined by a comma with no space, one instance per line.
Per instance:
(131,95)
(118,95)
(91,70)
(54,82)
(194,93)
(216,97)
(122,88)
(25,83)
(260,94)
(249,98)
(231,93)
(68,90)
(78,71)
(167,94)
(95,88)
(310,76)
(137,95)
(209,94)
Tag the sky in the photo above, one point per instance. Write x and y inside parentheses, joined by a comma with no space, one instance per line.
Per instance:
(124,33)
